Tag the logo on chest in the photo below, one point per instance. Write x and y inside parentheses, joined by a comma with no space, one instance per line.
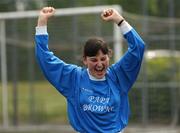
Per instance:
(98,104)
(93,103)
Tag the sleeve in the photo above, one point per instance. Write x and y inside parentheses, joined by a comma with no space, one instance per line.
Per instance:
(127,68)
(61,75)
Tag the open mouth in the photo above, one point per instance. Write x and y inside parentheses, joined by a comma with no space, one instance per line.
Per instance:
(99,69)
(99,72)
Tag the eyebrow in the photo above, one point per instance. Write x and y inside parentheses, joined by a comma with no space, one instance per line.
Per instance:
(94,57)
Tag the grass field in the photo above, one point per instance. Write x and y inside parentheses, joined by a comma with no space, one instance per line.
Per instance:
(49,112)
(68,129)
(40,105)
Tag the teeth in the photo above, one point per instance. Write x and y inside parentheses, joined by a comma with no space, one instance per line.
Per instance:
(99,69)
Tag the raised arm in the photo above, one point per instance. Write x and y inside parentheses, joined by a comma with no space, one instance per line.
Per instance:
(127,68)
(60,74)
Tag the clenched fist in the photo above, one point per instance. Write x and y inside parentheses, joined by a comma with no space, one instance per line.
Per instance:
(111,15)
(44,15)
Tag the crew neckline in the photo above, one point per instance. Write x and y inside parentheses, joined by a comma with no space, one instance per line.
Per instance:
(94,78)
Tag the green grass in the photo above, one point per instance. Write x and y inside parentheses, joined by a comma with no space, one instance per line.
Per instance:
(45,106)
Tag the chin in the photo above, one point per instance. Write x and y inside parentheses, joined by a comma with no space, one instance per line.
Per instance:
(100,77)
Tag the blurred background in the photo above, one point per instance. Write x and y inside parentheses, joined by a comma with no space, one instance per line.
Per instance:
(28,103)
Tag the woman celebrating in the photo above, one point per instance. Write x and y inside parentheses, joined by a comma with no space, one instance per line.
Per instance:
(97,96)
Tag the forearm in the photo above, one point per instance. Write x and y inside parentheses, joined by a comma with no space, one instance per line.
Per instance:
(136,47)
(42,21)
(132,37)
(125,27)
(127,68)
(118,18)
(57,72)
(41,40)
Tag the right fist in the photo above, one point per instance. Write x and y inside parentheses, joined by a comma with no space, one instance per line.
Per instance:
(47,12)
(44,14)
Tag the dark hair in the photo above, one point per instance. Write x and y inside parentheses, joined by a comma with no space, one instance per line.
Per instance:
(93,45)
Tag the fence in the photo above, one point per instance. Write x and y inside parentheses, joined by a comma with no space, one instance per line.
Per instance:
(31,100)
(18,67)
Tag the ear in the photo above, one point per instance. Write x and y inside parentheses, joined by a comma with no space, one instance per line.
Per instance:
(85,61)
(110,53)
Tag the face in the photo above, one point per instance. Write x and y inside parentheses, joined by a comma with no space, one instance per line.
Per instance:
(97,65)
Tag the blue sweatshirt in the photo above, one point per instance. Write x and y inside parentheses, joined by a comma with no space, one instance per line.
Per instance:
(94,105)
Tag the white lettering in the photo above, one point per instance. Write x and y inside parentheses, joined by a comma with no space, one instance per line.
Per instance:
(97,99)
(98,104)
(97,108)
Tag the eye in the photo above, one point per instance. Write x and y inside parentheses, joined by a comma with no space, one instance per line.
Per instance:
(93,60)
(103,58)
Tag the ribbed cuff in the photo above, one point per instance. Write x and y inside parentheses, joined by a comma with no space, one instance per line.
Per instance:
(41,30)
(125,27)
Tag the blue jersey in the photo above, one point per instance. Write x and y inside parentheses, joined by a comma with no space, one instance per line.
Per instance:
(94,106)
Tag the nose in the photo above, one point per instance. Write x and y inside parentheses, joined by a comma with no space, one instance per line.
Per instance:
(99,64)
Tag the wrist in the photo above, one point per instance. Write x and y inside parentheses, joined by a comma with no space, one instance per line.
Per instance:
(120,22)
(42,21)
